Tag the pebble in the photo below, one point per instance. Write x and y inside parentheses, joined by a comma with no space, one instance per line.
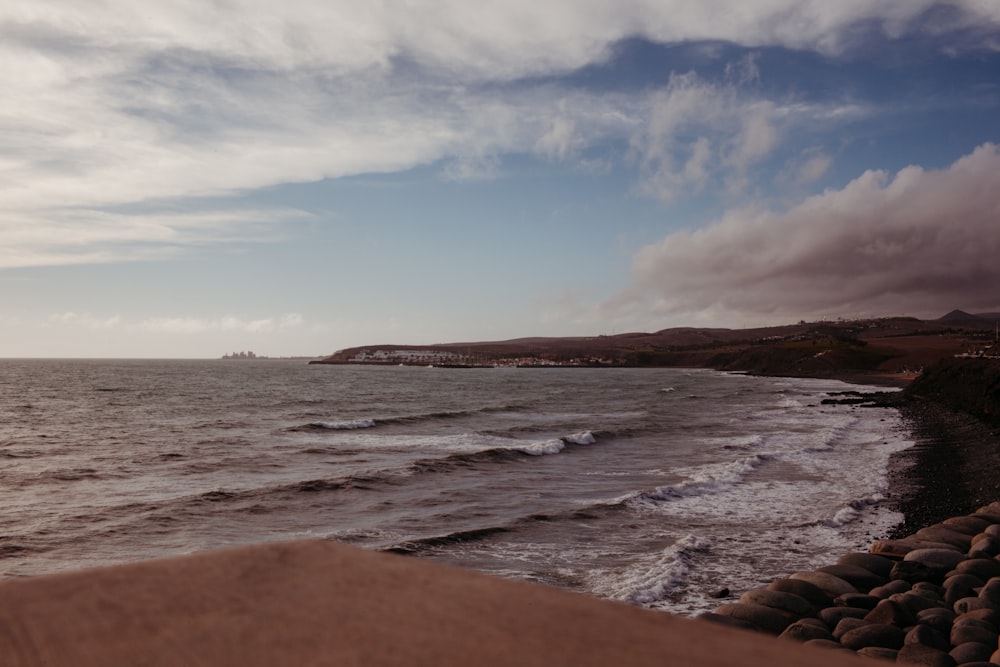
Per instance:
(930,599)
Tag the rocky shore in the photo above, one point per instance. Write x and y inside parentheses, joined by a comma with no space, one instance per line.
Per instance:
(932,598)
(929,594)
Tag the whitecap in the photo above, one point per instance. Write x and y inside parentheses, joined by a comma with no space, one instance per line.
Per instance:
(711,479)
(582,438)
(646,583)
(542,448)
(346,425)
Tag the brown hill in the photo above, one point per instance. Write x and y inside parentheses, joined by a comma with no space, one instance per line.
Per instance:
(874,348)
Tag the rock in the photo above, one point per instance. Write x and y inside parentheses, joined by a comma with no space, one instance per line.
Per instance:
(846,625)
(970,525)
(879,653)
(984,568)
(944,560)
(873,634)
(927,636)
(830,584)
(834,615)
(966,605)
(991,509)
(827,644)
(991,591)
(894,586)
(914,571)
(859,600)
(856,576)
(927,589)
(730,621)
(803,632)
(785,602)
(878,565)
(811,592)
(896,549)
(971,652)
(767,619)
(960,586)
(721,593)
(987,516)
(939,618)
(916,602)
(993,530)
(991,616)
(892,612)
(988,547)
(915,654)
(973,631)
(940,533)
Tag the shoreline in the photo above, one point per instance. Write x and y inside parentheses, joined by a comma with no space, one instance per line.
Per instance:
(951,470)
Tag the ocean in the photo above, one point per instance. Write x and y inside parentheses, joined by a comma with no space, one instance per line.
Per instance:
(658,487)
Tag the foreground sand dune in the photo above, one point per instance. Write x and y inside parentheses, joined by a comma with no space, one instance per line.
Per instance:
(320,603)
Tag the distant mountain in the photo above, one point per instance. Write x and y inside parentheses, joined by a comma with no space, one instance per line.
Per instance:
(989,316)
(958,316)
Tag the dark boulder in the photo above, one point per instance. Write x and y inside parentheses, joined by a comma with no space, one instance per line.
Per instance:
(873,634)
(892,612)
(811,592)
(801,631)
(916,654)
(984,568)
(858,577)
(831,616)
(878,565)
(971,652)
(788,603)
(767,619)
(927,636)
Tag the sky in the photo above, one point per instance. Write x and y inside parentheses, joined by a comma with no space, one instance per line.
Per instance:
(190,178)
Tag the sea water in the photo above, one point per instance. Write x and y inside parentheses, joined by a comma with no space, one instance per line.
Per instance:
(659,487)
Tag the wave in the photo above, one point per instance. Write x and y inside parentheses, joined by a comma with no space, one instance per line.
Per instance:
(852,511)
(649,582)
(711,480)
(349,425)
(506,452)
(582,438)
(387,476)
(415,546)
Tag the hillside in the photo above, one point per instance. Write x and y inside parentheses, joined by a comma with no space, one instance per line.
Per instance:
(877,347)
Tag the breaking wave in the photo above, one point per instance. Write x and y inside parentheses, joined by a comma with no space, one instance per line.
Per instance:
(712,479)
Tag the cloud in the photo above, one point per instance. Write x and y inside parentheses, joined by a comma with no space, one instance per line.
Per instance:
(194,325)
(117,104)
(920,242)
(85,320)
(807,168)
(698,131)
(65,235)
(178,325)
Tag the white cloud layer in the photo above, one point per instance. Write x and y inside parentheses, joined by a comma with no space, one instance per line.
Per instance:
(920,242)
(119,103)
(176,325)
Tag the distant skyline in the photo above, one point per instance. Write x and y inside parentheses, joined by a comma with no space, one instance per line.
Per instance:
(192,179)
